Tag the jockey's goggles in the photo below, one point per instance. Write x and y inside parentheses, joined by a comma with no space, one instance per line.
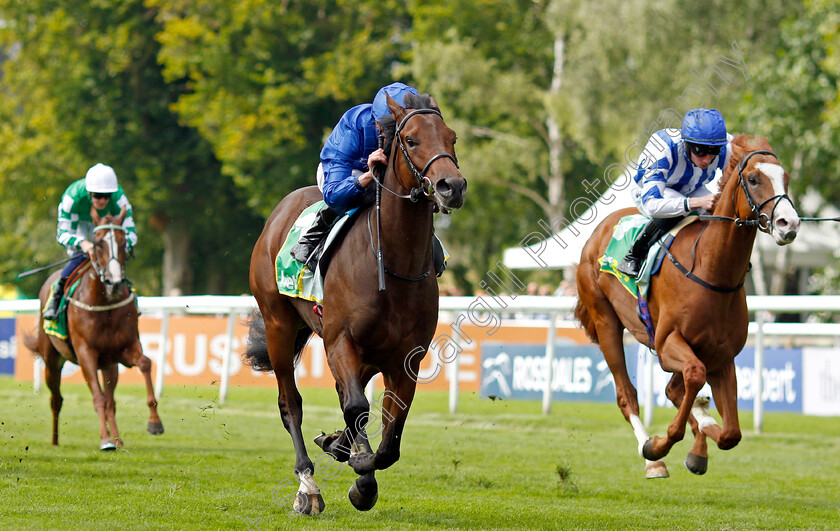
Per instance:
(702,150)
(100,196)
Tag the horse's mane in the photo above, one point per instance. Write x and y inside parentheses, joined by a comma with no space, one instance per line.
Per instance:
(741,144)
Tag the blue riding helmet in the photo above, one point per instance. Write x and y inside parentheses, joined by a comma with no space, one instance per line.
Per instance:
(704,126)
(397,91)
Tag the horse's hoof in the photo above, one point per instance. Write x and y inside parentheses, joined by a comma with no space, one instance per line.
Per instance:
(656,469)
(107,445)
(696,464)
(362,463)
(325,442)
(647,450)
(155,428)
(364,498)
(309,504)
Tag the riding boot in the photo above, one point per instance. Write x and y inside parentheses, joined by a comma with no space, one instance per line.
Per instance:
(438,256)
(632,263)
(51,313)
(304,250)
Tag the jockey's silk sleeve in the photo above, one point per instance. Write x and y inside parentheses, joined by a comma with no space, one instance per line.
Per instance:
(665,175)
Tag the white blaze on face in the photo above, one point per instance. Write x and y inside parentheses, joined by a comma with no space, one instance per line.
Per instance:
(785,209)
(776,174)
(114,268)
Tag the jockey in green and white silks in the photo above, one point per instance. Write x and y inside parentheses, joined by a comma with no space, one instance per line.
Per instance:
(99,189)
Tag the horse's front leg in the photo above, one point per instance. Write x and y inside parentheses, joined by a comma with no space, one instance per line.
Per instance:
(130,358)
(698,457)
(110,376)
(88,361)
(396,401)
(675,355)
(725,390)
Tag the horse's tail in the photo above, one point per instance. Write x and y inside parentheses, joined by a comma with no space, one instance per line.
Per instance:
(582,315)
(30,341)
(256,351)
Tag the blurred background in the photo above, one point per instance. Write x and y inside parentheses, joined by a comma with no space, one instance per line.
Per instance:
(210,111)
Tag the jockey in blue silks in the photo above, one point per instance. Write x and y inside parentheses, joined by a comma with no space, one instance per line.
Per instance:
(345,169)
(672,175)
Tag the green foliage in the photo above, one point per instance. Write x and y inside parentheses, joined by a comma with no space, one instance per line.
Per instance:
(266,81)
(211,111)
(85,87)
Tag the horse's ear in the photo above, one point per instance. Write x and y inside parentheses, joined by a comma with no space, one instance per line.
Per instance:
(396,109)
(95,217)
(121,217)
(434,103)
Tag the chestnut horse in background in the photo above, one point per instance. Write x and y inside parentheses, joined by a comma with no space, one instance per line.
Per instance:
(102,331)
(699,313)
(365,330)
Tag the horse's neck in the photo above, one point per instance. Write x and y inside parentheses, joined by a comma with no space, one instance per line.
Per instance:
(727,247)
(92,291)
(407,231)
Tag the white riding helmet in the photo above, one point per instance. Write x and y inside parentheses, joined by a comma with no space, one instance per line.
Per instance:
(101,179)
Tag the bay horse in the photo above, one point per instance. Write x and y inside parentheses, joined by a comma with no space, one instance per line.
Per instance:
(365,329)
(698,308)
(101,331)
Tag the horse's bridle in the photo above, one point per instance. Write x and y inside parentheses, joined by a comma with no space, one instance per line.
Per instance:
(114,252)
(424,188)
(762,220)
(424,184)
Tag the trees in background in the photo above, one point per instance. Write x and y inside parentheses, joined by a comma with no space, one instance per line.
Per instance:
(211,111)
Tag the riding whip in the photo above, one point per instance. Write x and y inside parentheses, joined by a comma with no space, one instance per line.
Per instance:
(44,268)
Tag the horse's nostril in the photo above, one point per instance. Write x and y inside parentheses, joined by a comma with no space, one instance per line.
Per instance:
(443,188)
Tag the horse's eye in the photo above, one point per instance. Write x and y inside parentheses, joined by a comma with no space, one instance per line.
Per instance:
(410,141)
(752,180)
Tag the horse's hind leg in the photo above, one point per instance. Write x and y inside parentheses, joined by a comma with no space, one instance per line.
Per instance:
(698,457)
(133,357)
(53,362)
(610,337)
(110,376)
(280,337)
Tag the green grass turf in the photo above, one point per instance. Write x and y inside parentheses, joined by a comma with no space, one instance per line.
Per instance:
(494,465)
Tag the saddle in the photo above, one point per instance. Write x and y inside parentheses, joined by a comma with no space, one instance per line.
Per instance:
(293,278)
(624,234)
(58,328)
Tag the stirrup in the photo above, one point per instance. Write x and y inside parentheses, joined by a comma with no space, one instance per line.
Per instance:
(629,266)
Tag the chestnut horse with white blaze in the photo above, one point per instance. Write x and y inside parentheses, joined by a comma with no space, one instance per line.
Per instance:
(366,330)
(697,303)
(102,331)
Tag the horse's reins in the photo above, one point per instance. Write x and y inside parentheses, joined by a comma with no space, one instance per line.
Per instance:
(424,185)
(763,222)
(101,273)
